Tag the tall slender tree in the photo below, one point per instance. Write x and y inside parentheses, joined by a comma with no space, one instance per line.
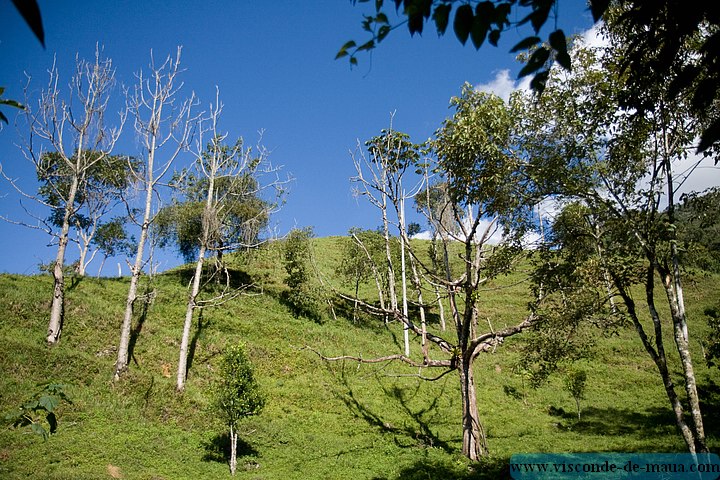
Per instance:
(164,129)
(621,165)
(225,191)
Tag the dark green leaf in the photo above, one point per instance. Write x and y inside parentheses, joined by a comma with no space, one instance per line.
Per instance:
(598,8)
(2,90)
(378,5)
(382,18)
(31,13)
(441,16)
(536,61)
(37,428)
(463,22)
(3,118)
(502,11)
(479,31)
(537,84)
(12,103)
(382,33)
(369,45)
(525,43)
(558,41)
(52,421)
(415,23)
(494,37)
(353,61)
(540,15)
(710,136)
(48,402)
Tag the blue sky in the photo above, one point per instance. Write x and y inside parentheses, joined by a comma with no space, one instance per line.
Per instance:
(273,62)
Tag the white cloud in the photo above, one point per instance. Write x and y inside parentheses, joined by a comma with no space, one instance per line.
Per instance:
(502,85)
(594,38)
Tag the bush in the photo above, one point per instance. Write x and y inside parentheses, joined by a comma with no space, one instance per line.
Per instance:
(237,395)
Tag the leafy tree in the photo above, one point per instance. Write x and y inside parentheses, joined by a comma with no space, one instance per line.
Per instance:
(237,395)
(575,385)
(358,264)
(302,297)
(477,142)
(620,166)
(71,126)
(222,211)
(105,183)
(111,238)
(698,219)
(413,229)
(712,343)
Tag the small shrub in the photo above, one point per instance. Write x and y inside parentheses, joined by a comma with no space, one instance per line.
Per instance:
(575,384)
(237,395)
(39,412)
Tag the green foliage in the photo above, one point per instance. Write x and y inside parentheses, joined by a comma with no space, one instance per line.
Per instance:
(575,381)
(477,21)
(111,238)
(477,142)
(237,394)
(237,213)
(8,102)
(101,181)
(413,229)
(355,266)
(712,343)
(38,412)
(303,296)
(30,12)
(698,222)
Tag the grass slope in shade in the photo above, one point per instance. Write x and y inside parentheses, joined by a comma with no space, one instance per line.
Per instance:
(321,421)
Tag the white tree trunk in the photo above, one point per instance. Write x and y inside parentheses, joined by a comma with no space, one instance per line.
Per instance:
(233,451)
(57,309)
(185,342)
(123,354)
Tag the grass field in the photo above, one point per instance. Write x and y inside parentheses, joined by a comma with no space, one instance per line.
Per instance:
(322,420)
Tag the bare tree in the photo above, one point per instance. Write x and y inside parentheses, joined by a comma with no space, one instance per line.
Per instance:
(68,139)
(163,125)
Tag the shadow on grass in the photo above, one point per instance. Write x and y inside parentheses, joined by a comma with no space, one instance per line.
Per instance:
(446,469)
(135,332)
(709,393)
(217,449)
(648,423)
(194,340)
(416,433)
(213,279)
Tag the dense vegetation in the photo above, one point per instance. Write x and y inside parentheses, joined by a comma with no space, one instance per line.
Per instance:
(321,420)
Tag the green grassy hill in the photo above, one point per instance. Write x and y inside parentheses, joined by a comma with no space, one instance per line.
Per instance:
(326,421)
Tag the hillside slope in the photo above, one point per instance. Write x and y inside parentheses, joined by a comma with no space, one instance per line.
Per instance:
(324,421)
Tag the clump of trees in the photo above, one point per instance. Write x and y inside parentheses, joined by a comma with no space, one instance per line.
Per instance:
(303,297)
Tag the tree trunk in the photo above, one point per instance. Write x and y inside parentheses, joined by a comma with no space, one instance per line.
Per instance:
(123,354)
(233,450)
(57,309)
(474,441)
(182,362)
(673,290)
